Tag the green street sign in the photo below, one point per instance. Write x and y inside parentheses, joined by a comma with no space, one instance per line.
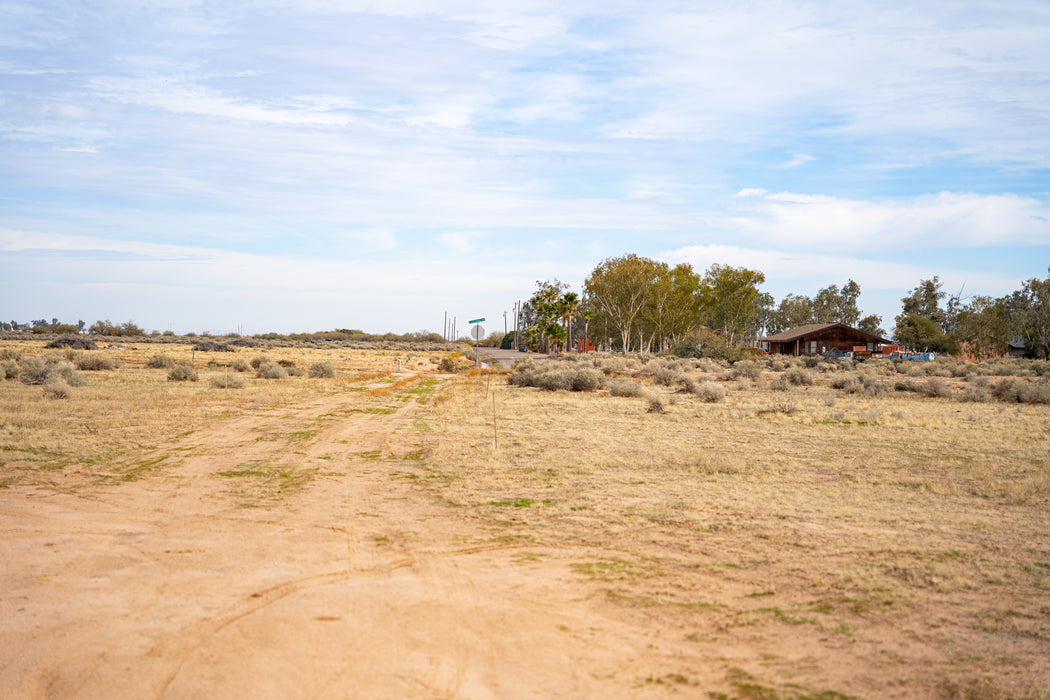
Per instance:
(477,320)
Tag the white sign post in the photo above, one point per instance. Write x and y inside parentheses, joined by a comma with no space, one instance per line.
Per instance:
(476,333)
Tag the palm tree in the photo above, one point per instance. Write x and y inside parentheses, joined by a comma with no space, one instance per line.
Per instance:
(586,323)
(570,304)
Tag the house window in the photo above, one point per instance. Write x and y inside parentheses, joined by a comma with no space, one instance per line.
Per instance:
(812,347)
(871,347)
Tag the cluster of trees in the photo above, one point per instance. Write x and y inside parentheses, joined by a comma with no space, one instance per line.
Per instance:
(42,326)
(636,303)
(632,303)
(980,325)
(829,305)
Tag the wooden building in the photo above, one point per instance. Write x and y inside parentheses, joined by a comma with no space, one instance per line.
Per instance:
(818,338)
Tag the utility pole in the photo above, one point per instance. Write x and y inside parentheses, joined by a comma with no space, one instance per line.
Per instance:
(504,323)
(517,324)
(444,328)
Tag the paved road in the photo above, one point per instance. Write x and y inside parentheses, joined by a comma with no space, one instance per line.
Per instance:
(506,357)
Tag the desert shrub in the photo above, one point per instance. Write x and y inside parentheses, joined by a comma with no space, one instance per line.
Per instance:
(160,362)
(975,394)
(1036,393)
(67,373)
(261,360)
(747,368)
(33,371)
(95,362)
(979,381)
(227,381)
(905,385)
(448,365)
(10,370)
(56,388)
(212,346)
(551,380)
(322,370)
(665,377)
(710,392)
(10,354)
(76,342)
(798,376)
(584,379)
(246,343)
(183,373)
(781,383)
(842,381)
(1021,391)
(657,403)
(524,363)
(935,387)
(271,371)
(286,363)
(240,365)
(294,371)
(1006,389)
(685,385)
(558,378)
(624,387)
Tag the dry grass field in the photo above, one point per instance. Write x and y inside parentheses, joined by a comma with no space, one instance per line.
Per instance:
(373,534)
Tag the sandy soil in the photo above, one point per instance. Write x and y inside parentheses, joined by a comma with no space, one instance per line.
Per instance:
(192,583)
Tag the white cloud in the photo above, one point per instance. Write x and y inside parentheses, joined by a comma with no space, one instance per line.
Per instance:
(946,219)
(462,241)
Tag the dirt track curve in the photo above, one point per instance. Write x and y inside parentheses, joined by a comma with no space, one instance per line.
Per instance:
(222,575)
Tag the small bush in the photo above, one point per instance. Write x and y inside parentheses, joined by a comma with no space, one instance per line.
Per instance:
(261,360)
(240,365)
(685,385)
(975,394)
(842,382)
(799,376)
(96,362)
(1022,391)
(665,377)
(448,365)
(322,370)
(183,373)
(286,363)
(160,362)
(748,369)
(584,379)
(76,342)
(625,387)
(710,392)
(781,383)
(935,387)
(212,346)
(294,371)
(10,354)
(657,404)
(271,371)
(57,389)
(227,381)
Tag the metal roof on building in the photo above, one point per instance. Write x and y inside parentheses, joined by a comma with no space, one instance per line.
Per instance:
(814,328)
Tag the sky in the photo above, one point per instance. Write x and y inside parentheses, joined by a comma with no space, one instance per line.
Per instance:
(305,166)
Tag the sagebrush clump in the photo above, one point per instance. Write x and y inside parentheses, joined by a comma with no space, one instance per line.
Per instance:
(322,370)
(160,362)
(183,373)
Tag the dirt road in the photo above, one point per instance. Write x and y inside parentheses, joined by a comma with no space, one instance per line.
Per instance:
(285,554)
